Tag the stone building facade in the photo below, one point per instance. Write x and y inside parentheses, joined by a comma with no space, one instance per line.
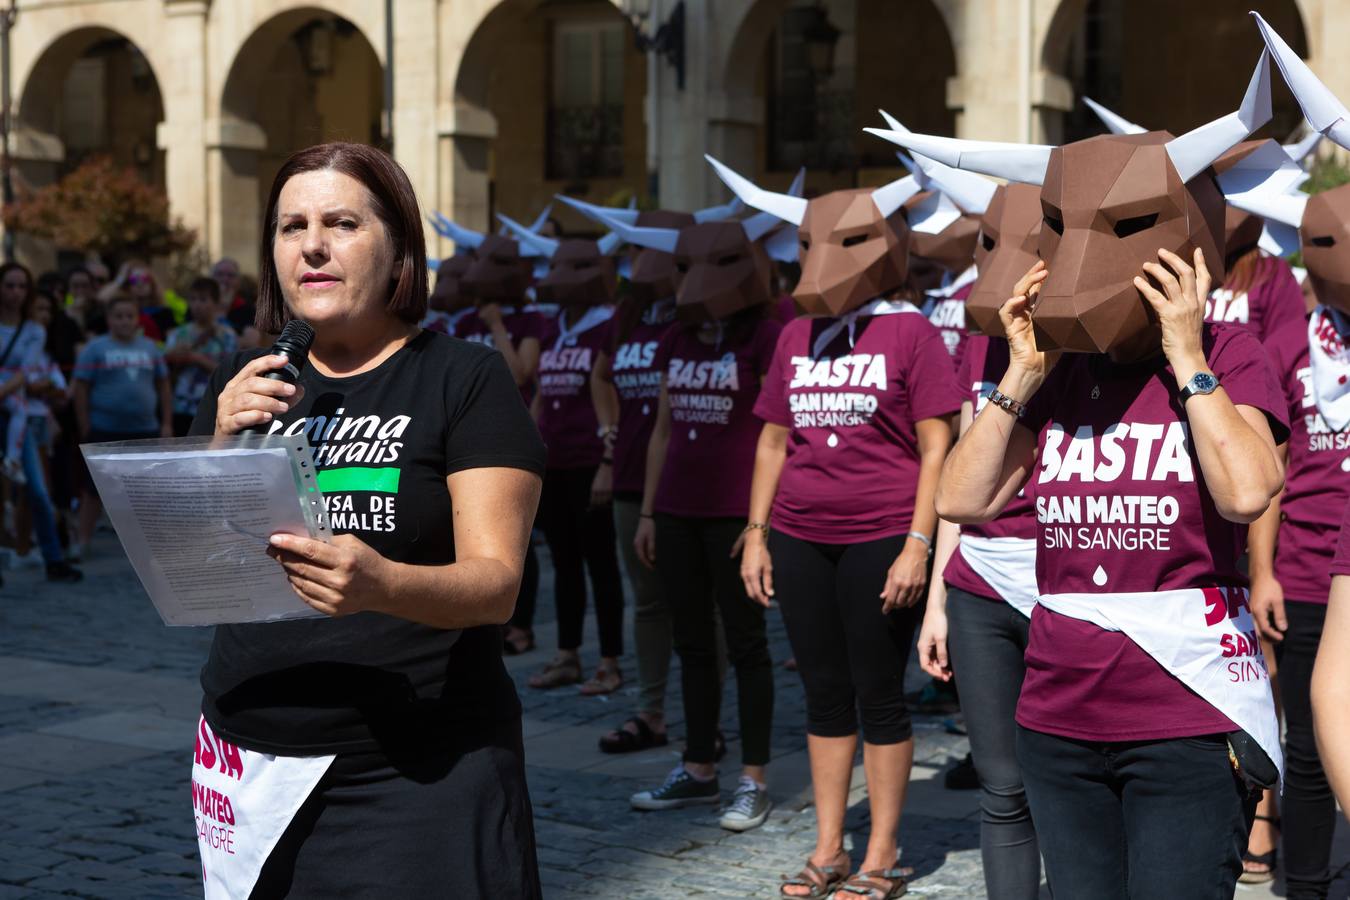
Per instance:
(498,104)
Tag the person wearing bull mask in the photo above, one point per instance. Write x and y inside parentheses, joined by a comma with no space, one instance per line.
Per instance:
(1146,722)
(862,388)
(625,388)
(581,281)
(696,498)
(977,618)
(1293,546)
(449,301)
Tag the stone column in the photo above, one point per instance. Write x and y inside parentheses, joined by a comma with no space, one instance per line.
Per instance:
(465,140)
(417,67)
(182,134)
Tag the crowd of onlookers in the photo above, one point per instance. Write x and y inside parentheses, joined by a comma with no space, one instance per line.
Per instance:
(90,355)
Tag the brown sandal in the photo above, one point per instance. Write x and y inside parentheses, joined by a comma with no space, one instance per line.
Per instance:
(556,673)
(879,884)
(606,680)
(819,880)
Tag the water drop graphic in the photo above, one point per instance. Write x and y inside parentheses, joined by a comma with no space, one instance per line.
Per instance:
(832,440)
(646,409)
(1099,577)
(1345,464)
(557,404)
(693,434)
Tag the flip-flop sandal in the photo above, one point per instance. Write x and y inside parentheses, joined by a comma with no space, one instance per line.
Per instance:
(1268,859)
(604,681)
(556,674)
(819,880)
(621,740)
(874,885)
(516,646)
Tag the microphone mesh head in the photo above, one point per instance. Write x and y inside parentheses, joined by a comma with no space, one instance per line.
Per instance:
(298,333)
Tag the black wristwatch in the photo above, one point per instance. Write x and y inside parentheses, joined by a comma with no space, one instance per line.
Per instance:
(1200,383)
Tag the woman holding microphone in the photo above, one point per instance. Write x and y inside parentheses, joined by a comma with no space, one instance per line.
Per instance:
(376,750)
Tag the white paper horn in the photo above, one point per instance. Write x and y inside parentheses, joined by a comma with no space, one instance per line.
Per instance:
(1195,150)
(1116,124)
(663,239)
(1014,162)
(1286,209)
(971,192)
(786,207)
(465,238)
(593,212)
(531,244)
(1323,110)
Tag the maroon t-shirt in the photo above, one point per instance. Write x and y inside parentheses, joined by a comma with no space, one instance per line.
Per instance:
(1316,478)
(786,309)
(566,413)
(520,323)
(984,361)
(713,430)
(1273,299)
(1120,509)
(1341,564)
(852,464)
(637,380)
(949,315)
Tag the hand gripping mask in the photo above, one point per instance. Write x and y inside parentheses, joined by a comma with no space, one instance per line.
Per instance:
(1010,232)
(854,243)
(450,295)
(1109,203)
(581,272)
(722,266)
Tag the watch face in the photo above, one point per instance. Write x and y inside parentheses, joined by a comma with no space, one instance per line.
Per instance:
(1204,383)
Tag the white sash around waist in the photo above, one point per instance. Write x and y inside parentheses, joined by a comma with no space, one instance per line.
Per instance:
(1203,636)
(243,801)
(1007,564)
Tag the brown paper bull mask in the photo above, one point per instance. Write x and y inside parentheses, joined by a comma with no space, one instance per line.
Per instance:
(653,275)
(1323,222)
(500,274)
(722,266)
(855,244)
(1109,204)
(1010,231)
(450,295)
(953,248)
(581,271)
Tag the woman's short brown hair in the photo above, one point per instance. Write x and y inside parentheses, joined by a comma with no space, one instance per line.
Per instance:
(396,205)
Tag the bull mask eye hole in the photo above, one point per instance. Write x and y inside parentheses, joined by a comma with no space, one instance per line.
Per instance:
(1324,241)
(1135,224)
(806,245)
(854,240)
(986,241)
(1056,223)
(729,260)
(682,267)
(502,260)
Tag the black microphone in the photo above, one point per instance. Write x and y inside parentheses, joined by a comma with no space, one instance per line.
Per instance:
(293,343)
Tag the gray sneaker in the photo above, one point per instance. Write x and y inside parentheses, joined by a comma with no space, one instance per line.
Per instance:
(680,789)
(749,807)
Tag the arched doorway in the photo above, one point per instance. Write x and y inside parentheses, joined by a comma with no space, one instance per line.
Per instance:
(303,77)
(820,70)
(1172,78)
(548,99)
(91,93)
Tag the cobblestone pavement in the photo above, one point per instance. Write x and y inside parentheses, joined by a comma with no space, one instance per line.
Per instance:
(98,701)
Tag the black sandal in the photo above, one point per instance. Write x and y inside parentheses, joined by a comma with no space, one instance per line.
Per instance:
(516,646)
(621,740)
(1268,859)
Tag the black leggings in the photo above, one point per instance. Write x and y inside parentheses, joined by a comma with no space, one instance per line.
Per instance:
(987,640)
(1308,808)
(693,558)
(851,656)
(580,538)
(523,615)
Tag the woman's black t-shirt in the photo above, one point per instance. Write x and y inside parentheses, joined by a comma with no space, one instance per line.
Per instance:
(384,442)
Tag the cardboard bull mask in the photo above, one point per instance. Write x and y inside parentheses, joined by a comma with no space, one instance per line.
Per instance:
(722,266)
(1010,231)
(1109,203)
(581,272)
(449,294)
(500,274)
(855,244)
(1323,223)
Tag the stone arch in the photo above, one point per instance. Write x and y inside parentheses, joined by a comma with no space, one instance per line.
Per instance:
(1173,90)
(741,125)
(494,127)
(50,139)
(303,51)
